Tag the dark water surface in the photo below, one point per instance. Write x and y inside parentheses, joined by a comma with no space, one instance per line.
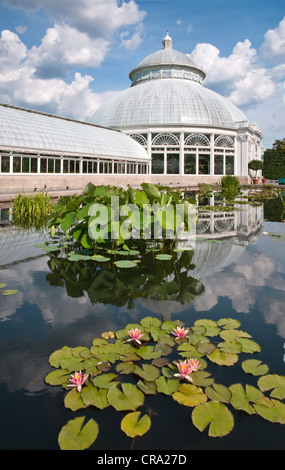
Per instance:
(236,271)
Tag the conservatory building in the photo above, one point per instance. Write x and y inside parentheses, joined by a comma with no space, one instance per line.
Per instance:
(191,133)
(43,151)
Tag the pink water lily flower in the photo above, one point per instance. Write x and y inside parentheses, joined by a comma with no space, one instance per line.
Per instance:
(186,367)
(135,335)
(180,332)
(77,380)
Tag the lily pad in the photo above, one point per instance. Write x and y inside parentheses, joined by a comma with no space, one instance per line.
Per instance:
(58,377)
(274,413)
(241,397)
(75,437)
(9,292)
(2,284)
(254,367)
(273,382)
(167,386)
(130,398)
(215,415)
(163,257)
(219,393)
(132,425)
(93,396)
(228,323)
(125,264)
(223,359)
(189,395)
(73,400)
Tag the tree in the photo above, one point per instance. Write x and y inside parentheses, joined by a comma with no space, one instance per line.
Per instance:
(255,165)
(274,161)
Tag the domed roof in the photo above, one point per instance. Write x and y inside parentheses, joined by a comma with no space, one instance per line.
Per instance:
(167,89)
(166,57)
(167,102)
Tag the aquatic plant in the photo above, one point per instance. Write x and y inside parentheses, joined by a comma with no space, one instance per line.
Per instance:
(32,211)
(122,376)
(7,291)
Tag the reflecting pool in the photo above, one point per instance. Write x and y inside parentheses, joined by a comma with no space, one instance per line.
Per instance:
(235,271)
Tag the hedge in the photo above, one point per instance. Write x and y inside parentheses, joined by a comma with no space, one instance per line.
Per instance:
(274,164)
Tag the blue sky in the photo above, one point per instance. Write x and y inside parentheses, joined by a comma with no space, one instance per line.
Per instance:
(68,56)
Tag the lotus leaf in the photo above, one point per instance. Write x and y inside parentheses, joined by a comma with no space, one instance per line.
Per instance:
(218,392)
(58,377)
(223,359)
(274,413)
(163,257)
(216,415)
(75,437)
(100,258)
(73,400)
(189,395)
(93,396)
(134,426)
(125,264)
(58,355)
(9,292)
(130,398)
(228,323)
(104,380)
(248,346)
(241,398)
(254,367)
(273,382)
(148,388)
(148,372)
(202,378)
(147,352)
(167,386)
(233,335)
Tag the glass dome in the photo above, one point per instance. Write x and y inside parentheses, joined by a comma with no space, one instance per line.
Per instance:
(167,89)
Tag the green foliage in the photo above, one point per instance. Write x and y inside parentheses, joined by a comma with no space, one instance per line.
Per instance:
(255,165)
(76,217)
(7,291)
(274,163)
(230,182)
(123,374)
(32,210)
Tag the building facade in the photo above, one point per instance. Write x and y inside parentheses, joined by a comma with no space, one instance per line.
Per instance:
(191,133)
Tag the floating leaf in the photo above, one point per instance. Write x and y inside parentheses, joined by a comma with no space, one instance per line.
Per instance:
(125,264)
(132,425)
(216,415)
(241,397)
(2,284)
(233,335)
(148,372)
(9,292)
(100,258)
(205,348)
(202,378)
(218,392)
(150,322)
(75,437)
(232,347)
(189,395)
(125,367)
(274,413)
(167,386)
(130,398)
(108,334)
(73,400)
(58,377)
(147,352)
(254,367)
(148,388)
(93,396)
(228,323)
(58,355)
(104,380)
(163,257)
(248,346)
(273,382)
(223,359)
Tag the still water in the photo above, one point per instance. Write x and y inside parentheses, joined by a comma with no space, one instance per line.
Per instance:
(235,271)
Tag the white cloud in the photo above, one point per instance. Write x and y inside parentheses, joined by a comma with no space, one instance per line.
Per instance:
(240,74)
(274,44)
(64,47)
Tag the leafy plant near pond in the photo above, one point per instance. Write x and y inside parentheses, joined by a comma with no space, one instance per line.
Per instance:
(32,210)
(74,218)
(123,368)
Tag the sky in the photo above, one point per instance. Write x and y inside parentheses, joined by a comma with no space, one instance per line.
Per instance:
(66,57)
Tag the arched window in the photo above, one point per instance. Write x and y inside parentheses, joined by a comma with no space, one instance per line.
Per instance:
(139,138)
(224,141)
(165,139)
(197,140)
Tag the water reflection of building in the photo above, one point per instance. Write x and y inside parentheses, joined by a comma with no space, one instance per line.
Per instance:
(221,239)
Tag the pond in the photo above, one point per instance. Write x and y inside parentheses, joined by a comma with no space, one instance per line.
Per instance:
(237,270)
